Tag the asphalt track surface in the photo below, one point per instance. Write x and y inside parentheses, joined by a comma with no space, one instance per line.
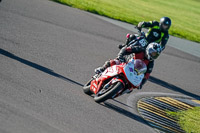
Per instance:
(48,51)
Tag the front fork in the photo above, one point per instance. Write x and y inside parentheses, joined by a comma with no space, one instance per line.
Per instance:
(122,91)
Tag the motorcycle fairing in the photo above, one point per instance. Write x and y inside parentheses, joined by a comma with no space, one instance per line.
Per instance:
(131,74)
(108,73)
(93,86)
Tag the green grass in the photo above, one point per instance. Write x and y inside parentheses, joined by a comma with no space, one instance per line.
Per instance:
(185,14)
(189,120)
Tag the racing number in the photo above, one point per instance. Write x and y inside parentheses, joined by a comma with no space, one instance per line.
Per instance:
(143,42)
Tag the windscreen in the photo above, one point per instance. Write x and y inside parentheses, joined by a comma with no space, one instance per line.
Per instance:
(139,66)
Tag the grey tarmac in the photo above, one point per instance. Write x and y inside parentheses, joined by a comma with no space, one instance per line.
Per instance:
(48,51)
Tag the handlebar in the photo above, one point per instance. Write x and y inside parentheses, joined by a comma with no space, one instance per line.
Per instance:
(141,33)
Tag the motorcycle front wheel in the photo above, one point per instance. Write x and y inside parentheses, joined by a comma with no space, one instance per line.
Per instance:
(109,92)
(86,87)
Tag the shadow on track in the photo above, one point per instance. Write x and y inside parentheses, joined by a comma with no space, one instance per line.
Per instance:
(172,87)
(125,112)
(38,67)
(121,103)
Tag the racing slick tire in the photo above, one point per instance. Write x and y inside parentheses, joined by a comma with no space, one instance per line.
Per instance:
(109,93)
(86,87)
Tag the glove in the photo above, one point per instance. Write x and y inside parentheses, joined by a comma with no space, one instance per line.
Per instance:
(140,87)
(139,26)
(143,82)
(121,59)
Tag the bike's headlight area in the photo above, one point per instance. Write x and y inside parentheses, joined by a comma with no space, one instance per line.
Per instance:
(140,71)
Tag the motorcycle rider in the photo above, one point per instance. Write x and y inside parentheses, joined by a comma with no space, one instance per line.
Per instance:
(158,31)
(148,55)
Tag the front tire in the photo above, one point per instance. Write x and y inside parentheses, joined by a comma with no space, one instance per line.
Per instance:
(110,93)
(86,87)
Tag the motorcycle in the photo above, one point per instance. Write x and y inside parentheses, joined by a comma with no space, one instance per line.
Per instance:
(139,39)
(116,80)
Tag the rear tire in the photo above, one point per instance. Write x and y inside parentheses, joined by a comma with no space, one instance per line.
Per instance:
(86,87)
(110,93)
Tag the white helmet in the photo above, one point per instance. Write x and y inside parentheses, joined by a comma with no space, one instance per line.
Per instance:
(153,50)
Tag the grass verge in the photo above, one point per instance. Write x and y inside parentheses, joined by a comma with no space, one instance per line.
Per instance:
(185,14)
(189,120)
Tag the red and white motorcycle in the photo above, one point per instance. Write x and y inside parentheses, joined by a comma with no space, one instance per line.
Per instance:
(116,80)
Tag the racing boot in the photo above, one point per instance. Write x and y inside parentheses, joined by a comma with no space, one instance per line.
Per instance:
(130,37)
(101,69)
(121,46)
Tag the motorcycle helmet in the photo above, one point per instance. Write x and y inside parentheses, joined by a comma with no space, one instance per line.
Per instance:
(153,51)
(165,23)
(139,66)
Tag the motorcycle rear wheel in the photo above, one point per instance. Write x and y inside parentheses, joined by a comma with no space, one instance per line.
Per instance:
(86,87)
(110,93)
